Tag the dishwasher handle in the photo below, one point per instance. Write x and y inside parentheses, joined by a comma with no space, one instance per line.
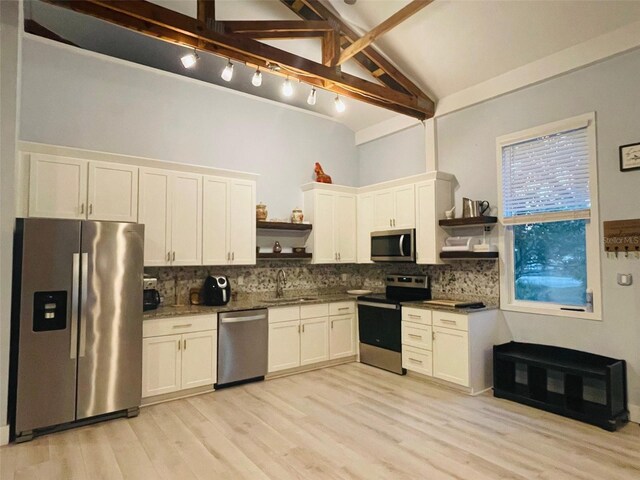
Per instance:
(251,318)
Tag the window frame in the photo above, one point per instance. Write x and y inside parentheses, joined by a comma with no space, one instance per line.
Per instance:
(592,226)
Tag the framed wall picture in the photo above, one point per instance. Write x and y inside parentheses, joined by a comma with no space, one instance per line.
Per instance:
(630,157)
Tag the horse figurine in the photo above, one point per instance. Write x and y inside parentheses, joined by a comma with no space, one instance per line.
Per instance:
(321,177)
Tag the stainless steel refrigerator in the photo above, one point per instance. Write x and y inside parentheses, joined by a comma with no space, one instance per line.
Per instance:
(76,322)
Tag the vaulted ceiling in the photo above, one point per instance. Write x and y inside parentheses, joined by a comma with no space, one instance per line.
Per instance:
(442,49)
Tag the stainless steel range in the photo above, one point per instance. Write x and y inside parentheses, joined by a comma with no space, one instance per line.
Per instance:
(379,319)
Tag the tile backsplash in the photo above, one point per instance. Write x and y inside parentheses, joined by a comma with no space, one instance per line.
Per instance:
(466,280)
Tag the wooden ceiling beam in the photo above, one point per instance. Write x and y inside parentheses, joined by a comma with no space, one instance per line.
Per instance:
(330,48)
(207,12)
(316,9)
(376,32)
(157,21)
(277,28)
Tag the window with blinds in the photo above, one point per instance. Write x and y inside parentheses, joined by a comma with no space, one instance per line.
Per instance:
(548,186)
(546,179)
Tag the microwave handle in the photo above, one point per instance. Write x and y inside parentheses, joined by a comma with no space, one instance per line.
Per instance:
(402,254)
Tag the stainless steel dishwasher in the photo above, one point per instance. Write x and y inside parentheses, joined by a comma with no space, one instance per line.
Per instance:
(243,341)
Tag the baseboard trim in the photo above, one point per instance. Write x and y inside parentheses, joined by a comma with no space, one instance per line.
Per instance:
(4,435)
(313,366)
(634,413)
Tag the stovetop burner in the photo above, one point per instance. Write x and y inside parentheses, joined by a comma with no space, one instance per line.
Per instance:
(401,288)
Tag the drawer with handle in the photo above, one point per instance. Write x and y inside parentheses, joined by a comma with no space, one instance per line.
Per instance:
(342,308)
(417,360)
(416,315)
(456,321)
(314,311)
(416,335)
(175,325)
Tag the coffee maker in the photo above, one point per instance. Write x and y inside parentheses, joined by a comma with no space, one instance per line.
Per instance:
(150,294)
(216,291)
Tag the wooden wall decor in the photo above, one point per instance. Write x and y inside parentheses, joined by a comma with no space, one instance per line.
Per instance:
(622,236)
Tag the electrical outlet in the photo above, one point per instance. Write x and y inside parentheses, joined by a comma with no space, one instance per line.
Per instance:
(240,280)
(625,279)
(344,277)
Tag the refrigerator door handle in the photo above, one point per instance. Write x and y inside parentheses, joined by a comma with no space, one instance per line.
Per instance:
(83,304)
(75,292)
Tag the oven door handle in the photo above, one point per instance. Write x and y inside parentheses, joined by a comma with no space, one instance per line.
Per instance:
(379,305)
(401,242)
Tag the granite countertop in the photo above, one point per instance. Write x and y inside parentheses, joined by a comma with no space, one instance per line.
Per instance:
(246,303)
(426,306)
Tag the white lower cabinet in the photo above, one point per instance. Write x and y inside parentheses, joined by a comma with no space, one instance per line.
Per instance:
(455,347)
(178,353)
(310,334)
(314,340)
(451,355)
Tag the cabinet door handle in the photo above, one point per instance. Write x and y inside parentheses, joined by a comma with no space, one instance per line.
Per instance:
(433,335)
(174,257)
(450,322)
(178,344)
(303,328)
(343,308)
(90,208)
(394,222)
(415,360)
(184,325)
(390,223)
(413,335)
(233,255)
(339,257)
(82,208)
(168,256)
(413,315)
(332,324)
(184,345)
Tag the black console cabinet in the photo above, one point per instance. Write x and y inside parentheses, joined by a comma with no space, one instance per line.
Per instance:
(580,385)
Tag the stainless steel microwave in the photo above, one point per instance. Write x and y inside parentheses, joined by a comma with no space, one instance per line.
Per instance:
(393,246)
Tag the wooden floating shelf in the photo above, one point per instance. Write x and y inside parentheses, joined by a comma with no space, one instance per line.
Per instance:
(469,221)
(468,255)
(283,226)
(284,256)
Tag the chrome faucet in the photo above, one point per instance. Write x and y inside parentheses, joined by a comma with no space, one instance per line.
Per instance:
(281,280)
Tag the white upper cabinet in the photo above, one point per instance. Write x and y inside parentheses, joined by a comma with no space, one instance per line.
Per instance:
(242,222)
(229,225)
(394,208)
(432,198)
(113,192)
(63,187)
(334,219)
(365,227)
(57,187)
(155,213)
(186,219)
(170,206)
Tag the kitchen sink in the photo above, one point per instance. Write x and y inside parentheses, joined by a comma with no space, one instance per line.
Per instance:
(290,300)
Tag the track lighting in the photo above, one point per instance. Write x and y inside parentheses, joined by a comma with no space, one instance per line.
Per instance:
(256,80)
(340,106)
(311,99)
(190,59)
(287,88)
(227,73)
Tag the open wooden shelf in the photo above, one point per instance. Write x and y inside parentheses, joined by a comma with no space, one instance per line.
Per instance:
(468,255)
(284,256)
(481,221)
(283,226)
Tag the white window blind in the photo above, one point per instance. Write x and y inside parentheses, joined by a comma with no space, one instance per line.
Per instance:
(546,179)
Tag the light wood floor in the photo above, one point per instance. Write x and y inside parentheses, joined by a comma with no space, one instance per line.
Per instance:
(345,422)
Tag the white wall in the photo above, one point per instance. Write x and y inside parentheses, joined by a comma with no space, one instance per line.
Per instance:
(466,148)
(11,19)
(395,156)
(86,100)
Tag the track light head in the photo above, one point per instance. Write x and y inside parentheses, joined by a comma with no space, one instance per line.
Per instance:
(287,88)
(340,106)
(227,73)
(190,59)
(256,80)
(311,99)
